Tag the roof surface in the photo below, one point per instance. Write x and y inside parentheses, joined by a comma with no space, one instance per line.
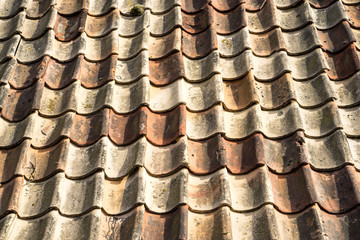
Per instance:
(170,119)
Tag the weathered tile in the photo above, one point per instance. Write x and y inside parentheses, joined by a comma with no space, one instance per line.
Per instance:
(201,157)
(164,194)
(9,47)
(93,49)
(265,222)
(296,17)
(241,93)
(165,23)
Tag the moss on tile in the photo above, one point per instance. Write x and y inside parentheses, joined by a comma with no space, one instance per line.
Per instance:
(137,10)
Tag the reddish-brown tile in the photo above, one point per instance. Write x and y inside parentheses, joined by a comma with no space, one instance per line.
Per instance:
(59,75)
(11,160)
(42,163)
(338,38)
(26,75)
(10,195)
(192,6)
(267,43)
(69,27)
(343,64)
(195,23)
(199,45)
(167,70)
(166,226)
(353,13)
(87,130)
(96,74)
(159,128)
(20,103)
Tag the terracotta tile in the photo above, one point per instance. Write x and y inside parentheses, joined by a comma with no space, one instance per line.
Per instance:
(195,23)
(95,74)
(98,26)
(20,103)
(167,226)
(160,47)
(68,28)
(25,75)
(353,12)
(191,6)
(224,23)
(167,70)
(59,75)
(267,43)
(12,161)
(199,45)
(343,64)
(160,129)
(93,48)
(223,120)
(332,41)
(88,129)
(216,220)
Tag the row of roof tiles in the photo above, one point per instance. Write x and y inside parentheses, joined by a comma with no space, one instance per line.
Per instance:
(165,128)
(16,105)
(200,157)
(336,191)
(222,23)
(37,9)
(194,46)
(165,71)
(263,223)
